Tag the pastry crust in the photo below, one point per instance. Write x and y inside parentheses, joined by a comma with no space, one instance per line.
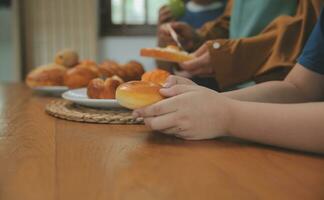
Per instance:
(46,75)
(156,76)
(170,53)
(138,94)
(81,75)
(103,89)
(133,70)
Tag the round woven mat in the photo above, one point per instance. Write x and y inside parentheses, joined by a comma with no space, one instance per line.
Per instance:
(67,110)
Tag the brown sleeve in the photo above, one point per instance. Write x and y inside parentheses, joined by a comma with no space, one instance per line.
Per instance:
(278,46)
(218,28)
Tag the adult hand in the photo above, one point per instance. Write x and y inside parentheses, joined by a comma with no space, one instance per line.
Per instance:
(165,15)
(201,65)
(188,37)
(191,112)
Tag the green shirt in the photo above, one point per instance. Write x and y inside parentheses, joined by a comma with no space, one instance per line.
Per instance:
(250,17)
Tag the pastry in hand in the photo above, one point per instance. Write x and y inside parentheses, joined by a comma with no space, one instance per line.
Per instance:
(170,53)
(46,75)
(156,76)
(103,89)
(81,75)
(131,71)
(67,57)
(138,94)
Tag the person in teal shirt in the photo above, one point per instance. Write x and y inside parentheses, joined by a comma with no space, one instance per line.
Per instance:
(285,113)
(248,19)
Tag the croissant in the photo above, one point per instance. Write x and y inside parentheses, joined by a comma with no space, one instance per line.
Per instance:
(46,75)
(103,89)
(156,76)
(131,71)
(81,75)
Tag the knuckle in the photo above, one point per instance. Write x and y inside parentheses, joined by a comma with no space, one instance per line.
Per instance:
(157,109)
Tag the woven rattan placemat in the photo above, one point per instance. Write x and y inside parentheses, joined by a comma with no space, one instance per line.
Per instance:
(69,111)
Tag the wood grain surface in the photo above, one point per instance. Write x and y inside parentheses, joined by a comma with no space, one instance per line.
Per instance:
(43,158)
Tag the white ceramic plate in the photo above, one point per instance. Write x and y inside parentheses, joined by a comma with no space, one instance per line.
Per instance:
(51,90)
(79,96)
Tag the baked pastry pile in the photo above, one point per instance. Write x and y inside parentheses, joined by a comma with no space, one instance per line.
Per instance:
(68,70)
(128,83)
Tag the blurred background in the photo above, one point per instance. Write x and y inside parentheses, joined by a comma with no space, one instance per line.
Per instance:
(32,31)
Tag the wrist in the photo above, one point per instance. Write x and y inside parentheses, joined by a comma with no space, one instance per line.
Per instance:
(232,116)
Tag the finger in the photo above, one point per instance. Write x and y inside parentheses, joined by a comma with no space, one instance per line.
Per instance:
(174,80)
(203,49)
(177,90)
(180,26)
(160,108)
(176,131)
(195,63)
(165,18)
(164,8)
(161,122)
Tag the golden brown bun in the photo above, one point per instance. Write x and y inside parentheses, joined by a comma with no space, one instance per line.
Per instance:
(156,76)
(138,94)
(46,75)
(81,75)
(103,89)
(67,57)
(131,71)
(170,53)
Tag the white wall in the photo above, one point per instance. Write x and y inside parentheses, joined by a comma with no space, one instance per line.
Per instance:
(123,49)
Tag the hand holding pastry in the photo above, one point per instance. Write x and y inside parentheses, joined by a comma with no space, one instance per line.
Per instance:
(188,37)
(180,114)
(201,64)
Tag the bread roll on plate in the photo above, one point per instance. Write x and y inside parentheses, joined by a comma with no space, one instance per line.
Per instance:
(81,75)
(170,53)
(46,75)
(138,94)
(103,89)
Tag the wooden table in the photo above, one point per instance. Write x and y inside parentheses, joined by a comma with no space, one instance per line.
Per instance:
(46,158)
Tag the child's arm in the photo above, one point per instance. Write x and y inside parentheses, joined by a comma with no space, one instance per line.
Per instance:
(296,126)
(301,85)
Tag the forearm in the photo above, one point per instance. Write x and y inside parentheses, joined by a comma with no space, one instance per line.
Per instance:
(270,92)
(295,126)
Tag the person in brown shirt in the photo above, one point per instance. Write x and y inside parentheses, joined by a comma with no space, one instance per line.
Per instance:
(267,55)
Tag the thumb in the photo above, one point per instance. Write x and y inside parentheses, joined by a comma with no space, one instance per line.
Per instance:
(176,90)
(176,80)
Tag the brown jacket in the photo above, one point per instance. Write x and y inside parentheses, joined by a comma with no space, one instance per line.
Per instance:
(268,55)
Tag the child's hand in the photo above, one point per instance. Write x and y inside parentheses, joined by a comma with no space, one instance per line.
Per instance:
(201,65)
(192,112)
